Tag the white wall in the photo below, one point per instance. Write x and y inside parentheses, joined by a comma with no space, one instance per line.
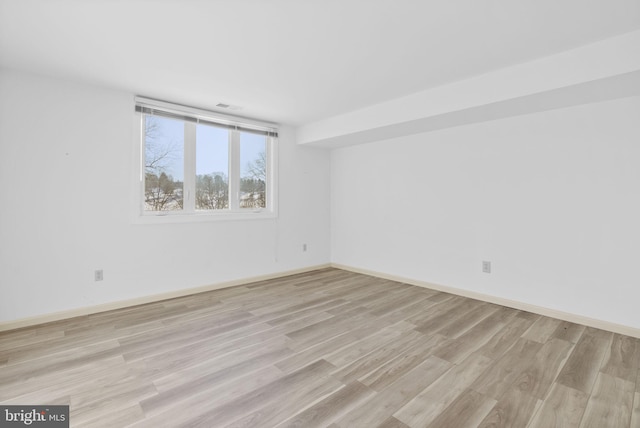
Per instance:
(552,199)
(66,156)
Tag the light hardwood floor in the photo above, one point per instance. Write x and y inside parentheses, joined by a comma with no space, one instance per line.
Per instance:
(326,348)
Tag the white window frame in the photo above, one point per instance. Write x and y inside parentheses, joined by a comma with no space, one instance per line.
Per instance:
(189,213)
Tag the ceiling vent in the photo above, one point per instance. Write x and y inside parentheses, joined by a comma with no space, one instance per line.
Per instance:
(228,106)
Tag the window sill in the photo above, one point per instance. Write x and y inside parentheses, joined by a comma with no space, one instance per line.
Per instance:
(163,218)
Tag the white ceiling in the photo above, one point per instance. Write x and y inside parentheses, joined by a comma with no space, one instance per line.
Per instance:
(294,61)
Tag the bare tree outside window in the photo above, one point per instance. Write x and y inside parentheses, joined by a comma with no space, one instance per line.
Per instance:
(212,168)
(212,192)
(253,176)
(163,156)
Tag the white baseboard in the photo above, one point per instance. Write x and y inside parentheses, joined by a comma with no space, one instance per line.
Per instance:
(565,316)
(578,319)
(88,310)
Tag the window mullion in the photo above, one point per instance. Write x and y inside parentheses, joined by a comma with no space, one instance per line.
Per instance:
(234,170)
(269,174)
(189,167)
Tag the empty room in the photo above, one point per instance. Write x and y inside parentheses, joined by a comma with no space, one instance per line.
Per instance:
(338,214)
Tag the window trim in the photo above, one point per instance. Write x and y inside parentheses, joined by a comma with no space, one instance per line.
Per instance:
(235,125)
(192,114)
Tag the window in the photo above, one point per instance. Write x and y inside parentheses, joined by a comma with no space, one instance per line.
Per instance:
(195,163)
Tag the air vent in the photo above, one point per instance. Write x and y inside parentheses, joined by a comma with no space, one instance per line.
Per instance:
(228,106)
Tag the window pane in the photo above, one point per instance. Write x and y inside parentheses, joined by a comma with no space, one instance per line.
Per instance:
(212,168)
(164,163)
(253,170)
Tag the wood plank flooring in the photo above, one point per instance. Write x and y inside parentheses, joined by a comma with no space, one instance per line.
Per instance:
(328,348)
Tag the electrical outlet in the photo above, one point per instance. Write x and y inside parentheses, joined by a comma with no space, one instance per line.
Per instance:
(486,267)
(304,248)
(98,275)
